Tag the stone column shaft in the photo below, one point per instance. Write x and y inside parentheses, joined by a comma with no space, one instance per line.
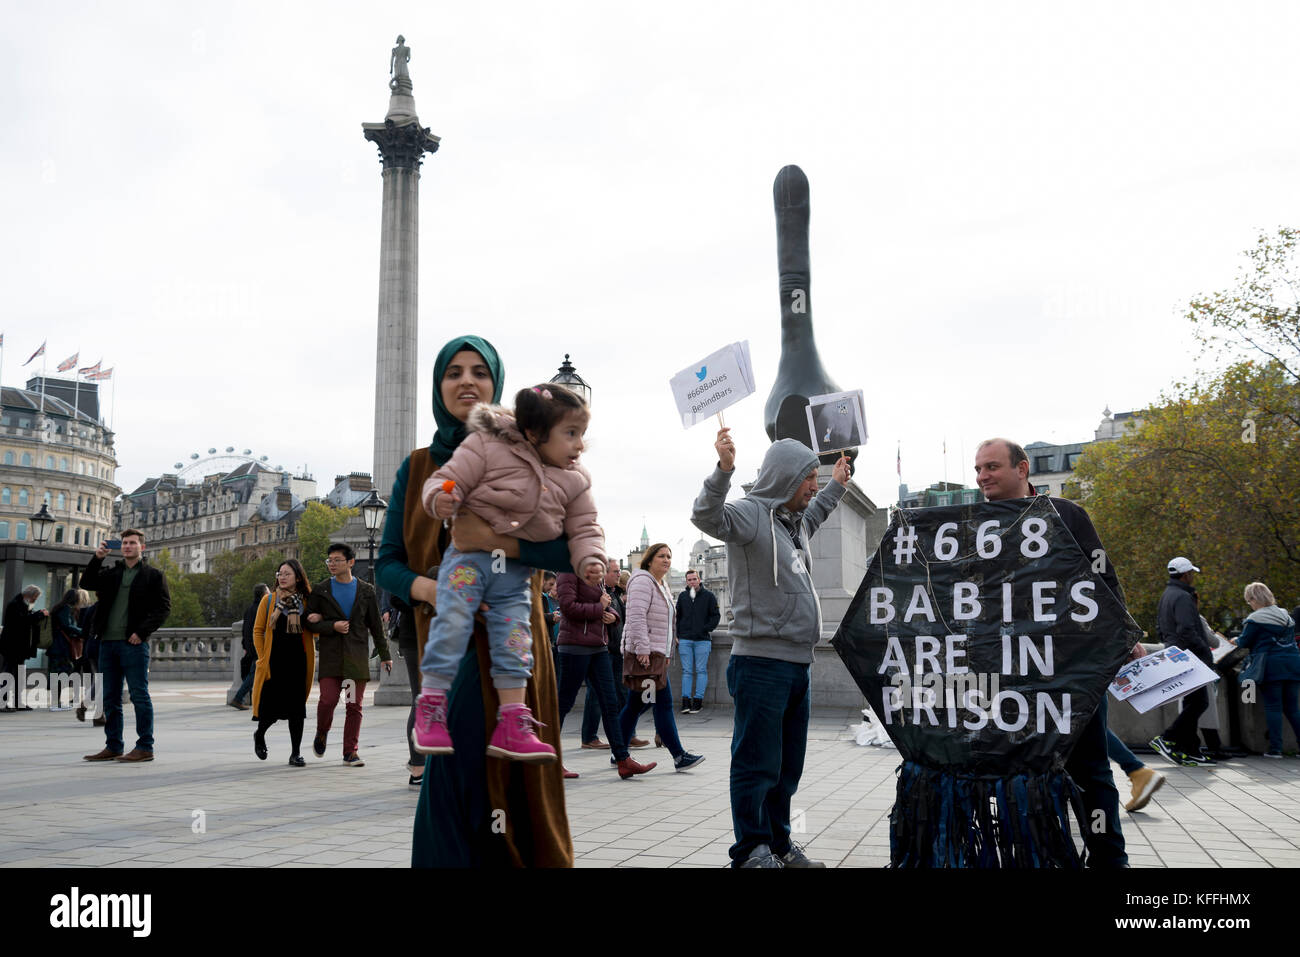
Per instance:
(396,376)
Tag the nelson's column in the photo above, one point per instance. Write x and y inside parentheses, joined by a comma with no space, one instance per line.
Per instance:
(402,143)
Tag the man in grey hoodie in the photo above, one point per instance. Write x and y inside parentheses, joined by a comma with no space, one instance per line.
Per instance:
(778,621)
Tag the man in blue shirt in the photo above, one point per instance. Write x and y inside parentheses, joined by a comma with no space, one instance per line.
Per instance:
(341,609)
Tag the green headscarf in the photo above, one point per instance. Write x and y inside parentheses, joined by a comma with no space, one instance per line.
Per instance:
(451,430)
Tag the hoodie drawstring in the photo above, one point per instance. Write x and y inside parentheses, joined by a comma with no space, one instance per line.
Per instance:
(807,566)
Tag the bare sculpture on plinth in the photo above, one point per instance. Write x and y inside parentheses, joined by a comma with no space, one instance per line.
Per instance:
(397,61)
(799,374)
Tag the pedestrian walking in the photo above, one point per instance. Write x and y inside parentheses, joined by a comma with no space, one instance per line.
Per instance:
(343,611)
(286,660)
(586,612)
(133,602)
(18,640)
(616,587)
(66,644)
(1269,633)
(248,664)
(648,638)
(697,616)
(1178,622)
(88,665)
(778,622)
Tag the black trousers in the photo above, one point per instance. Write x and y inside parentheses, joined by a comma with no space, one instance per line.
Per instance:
(1182,734)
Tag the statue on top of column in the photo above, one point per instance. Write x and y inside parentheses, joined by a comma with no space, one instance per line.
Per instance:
(397,61)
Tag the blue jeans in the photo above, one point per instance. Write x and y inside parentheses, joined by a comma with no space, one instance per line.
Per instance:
(594,669)
(246,685)
(1089,766)
(1279,699)
(695,664)
(665,723)
(591,709)
(464,582)
(118,660)
(768,740)
(1118,752)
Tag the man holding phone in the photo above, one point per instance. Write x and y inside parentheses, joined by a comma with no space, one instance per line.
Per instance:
(133,603)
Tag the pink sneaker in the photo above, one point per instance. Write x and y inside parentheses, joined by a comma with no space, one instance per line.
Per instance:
(429,736)
(514,739)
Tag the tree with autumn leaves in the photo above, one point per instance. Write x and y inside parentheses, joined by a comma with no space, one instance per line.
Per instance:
(1213,472)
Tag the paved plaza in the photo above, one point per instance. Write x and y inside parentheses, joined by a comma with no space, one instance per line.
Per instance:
(207,801)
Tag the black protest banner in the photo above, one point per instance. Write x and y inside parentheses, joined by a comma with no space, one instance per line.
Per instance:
(984,639)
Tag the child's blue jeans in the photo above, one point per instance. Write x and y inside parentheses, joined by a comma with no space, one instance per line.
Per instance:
(466,580)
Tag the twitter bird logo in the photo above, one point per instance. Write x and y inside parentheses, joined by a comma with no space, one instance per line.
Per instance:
(704,370)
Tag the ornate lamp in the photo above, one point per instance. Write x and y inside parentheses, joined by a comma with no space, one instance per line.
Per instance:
(372,513)
(570,379)
(42,522)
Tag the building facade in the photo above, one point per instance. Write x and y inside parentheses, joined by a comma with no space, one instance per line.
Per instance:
(251,509)
(59,456)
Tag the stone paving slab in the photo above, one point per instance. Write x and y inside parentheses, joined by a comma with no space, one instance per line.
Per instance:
(57,810)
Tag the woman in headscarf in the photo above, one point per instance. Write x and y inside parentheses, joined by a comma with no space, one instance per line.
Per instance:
(458,820)
(286,659)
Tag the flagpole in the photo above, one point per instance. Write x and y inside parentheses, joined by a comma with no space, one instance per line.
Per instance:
(42,379)
(76,389)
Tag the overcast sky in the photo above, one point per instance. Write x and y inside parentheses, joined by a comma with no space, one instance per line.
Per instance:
(1011,206)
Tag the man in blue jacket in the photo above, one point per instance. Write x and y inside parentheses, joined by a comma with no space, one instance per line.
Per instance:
(777,623)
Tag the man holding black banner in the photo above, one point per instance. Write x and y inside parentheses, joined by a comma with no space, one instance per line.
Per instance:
(1002,472)
(777,623)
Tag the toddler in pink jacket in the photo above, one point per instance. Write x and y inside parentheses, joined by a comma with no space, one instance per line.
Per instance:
(518,472)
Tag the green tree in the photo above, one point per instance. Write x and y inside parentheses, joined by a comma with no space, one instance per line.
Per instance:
(1259,317)
(186,611)
(1212,473)
(316,529)
(259,572)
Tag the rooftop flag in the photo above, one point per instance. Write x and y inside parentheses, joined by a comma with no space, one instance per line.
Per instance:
(38,352)
(97,376)
(90,370)
(68,363)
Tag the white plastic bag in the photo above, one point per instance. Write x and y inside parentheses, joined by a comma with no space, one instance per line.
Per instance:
(872,732)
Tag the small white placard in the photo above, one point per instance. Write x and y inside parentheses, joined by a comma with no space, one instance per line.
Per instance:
(719,380)
(837,421)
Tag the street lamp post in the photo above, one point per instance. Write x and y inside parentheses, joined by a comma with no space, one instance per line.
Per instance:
(42,521)
(372,513)
(569,378)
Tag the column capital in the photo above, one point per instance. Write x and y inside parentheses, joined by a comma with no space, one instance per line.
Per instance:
(401,145)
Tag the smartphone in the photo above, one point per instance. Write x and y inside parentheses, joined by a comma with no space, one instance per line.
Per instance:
(113,544)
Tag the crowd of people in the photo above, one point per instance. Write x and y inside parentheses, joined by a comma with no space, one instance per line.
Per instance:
(494,583)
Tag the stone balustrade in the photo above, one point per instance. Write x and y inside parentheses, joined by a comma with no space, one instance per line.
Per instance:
(194,654)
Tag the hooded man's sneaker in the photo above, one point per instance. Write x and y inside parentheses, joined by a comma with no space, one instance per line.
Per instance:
(795,857)
(762,856)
